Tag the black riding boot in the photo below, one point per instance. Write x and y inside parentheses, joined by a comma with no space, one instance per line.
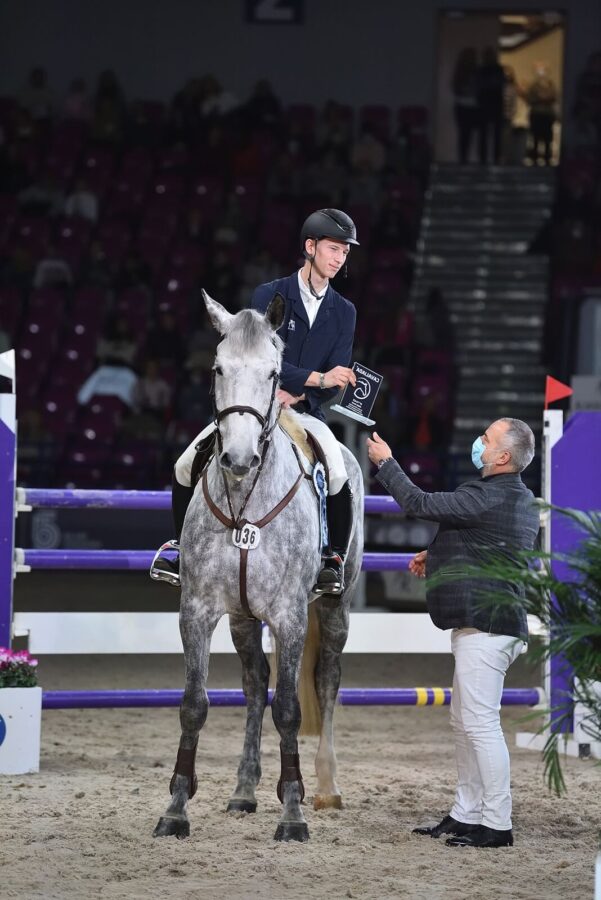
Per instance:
(165,568)
(340,520)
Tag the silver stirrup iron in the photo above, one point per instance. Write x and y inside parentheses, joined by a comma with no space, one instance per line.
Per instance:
(162,574)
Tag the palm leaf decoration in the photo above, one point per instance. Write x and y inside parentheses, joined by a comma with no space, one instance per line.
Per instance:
(564,592)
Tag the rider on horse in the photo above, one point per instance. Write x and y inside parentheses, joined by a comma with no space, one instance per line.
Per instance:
(318,332)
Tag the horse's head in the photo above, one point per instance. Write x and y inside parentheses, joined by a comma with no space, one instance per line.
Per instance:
(245,379)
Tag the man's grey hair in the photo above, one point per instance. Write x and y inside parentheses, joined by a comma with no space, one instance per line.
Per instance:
(519,440)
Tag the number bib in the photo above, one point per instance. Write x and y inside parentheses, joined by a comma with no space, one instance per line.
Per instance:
(246,538)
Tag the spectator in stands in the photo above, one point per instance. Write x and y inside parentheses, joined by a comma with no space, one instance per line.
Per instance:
(77,107)
(334,132)
(152,394)
(216,101)
(440,331)
(285,179)
(36,97)
(52,270)
(134,272)
(490,85)
(164,342)
(223,276)
(82,202)
(511,93)
(465,101)
(262,109)
(109,381)
(98,268)
(109,109)
(193,400)
(42,198)
(368,153)
(326,176)
(542,97)
(117,345)
(14,174)
(259,269)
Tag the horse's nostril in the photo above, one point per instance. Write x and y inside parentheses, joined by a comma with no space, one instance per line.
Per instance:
(255,461)
(226,460)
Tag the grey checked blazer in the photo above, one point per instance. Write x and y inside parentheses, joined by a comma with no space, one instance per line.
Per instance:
(497,513)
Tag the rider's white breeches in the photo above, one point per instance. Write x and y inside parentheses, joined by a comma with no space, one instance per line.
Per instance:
(331,448)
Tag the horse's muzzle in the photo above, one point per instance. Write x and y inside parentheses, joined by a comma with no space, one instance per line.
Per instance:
(239,471)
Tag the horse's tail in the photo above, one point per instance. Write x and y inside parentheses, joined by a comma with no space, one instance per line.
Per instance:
(307,695)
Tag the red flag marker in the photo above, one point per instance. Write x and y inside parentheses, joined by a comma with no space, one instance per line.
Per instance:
(555,390)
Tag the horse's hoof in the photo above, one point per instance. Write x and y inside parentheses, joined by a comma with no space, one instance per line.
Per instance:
(292,831)
(170,825)
(327,801)
(246,806)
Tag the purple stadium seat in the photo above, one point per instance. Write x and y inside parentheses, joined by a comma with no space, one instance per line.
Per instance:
(58,408)
(137,162)
(32,234)
(435,390)
(389,258)
(114,238)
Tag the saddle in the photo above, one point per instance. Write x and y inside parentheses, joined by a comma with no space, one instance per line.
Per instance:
(306,442)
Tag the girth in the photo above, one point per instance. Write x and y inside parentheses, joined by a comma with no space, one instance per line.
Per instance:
(232,524)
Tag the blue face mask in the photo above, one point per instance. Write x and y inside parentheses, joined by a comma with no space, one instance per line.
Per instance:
(478,449)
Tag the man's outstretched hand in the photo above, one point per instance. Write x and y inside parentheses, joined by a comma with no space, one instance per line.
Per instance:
(377,449)
(287,400)
(417,566)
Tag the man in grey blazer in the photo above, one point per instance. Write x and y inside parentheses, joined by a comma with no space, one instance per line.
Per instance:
(494,513)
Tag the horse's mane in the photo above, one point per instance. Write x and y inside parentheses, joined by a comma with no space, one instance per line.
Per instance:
(249,330)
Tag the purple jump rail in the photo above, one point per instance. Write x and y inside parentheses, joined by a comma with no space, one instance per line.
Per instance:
(66,499)
(140,560)
(347,697)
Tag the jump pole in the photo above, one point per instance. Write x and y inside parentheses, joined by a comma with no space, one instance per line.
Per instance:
(434,696)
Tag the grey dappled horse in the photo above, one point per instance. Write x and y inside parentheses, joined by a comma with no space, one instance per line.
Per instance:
(281,569)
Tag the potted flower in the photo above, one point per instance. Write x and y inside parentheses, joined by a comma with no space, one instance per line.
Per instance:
(20,713)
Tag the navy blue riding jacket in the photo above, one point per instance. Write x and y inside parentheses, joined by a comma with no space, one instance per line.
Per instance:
(317,348)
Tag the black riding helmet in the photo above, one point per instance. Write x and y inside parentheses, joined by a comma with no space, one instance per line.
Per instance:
(329,223)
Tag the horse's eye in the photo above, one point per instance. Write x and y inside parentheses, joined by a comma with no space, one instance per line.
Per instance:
(217,370)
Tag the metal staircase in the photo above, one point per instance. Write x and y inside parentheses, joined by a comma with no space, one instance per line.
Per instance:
(477,224)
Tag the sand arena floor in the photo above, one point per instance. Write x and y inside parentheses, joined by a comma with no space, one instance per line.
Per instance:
(82,827)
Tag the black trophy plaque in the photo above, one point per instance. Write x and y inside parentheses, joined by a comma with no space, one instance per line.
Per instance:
(357,402)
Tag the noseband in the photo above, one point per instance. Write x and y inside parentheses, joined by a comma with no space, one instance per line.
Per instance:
(220,414)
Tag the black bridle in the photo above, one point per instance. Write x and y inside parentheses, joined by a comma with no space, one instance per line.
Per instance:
(264,420)
(266,432)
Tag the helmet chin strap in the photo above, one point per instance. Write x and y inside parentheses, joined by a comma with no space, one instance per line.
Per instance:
(311,288)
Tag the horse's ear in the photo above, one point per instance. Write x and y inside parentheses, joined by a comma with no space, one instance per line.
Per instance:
(275,311)
(218,314)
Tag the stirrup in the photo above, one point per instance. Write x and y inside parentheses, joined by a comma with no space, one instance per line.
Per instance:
(166,572)
(334,584)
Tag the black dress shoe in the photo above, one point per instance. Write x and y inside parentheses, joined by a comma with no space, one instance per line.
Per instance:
(449,825)
(483,837)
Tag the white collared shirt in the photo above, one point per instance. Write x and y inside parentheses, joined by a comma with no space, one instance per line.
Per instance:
(310,302)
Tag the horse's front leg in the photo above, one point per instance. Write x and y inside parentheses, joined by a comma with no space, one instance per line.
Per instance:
(290,637)
(196,631)
(246,635)
(333,627)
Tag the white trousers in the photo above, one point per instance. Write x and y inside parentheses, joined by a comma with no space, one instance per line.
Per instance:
(483,791)
(331,448)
